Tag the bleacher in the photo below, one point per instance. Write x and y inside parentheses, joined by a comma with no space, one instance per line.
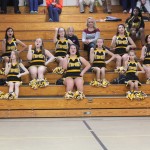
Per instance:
(49,101)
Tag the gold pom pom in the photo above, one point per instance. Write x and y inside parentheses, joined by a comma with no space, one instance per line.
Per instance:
(79,95)
(58,70)
(34,84)
(2,71)
(120,70)
(95,83)
(130,95)
(105,83)
(69,95)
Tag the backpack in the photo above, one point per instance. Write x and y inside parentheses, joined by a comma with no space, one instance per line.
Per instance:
(120,80)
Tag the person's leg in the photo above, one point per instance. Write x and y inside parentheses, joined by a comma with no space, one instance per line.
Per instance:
(81,5)
(124,5)
(79,83)
(69,83)
(109,6)
(124,59)
(56,12)
(11,87)
(16,6)
(142,36)
(147,71)
(89,46)
(92,4)
(136,86)
(133,4)
(41,71)
(35,6)
(97,72)
(33,71)
(50,12)
(118,60)
(102,73)
(131,85)
(31,5)
(4,6)
(17,89)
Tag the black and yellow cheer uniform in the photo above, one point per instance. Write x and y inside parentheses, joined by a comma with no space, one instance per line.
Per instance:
(121,44)
(12,75)
(10,46)
(131,70)
(147,55)
(99,58)
(61,48)
(74,67)
(38,59)
(136,23)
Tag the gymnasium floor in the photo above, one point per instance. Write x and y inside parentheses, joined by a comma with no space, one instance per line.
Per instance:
(103,133)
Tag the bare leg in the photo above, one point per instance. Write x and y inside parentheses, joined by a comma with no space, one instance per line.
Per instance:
(131,84)
(103,73)
(124,58)
(69,83)
(41,71)
(11,87)
(142,36)
(136,85)
(97,71)
(17,89)
(79,83)
(33,72)
(118,60)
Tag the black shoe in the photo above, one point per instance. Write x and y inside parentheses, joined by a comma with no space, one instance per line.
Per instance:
(18,12)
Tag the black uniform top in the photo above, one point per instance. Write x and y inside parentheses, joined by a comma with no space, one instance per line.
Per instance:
(38,58)
(133,22)
(121,44)
(14,71)
(74,67)
(132,67)
(74,39)
(61,48)
(10,46)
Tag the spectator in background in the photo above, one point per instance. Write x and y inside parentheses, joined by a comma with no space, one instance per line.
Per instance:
(90,35)
(107,6)
(82,3)
(72,36)
(135,25)
(128,5)
(54,9)
(144,5)
(33,4)
(4,6)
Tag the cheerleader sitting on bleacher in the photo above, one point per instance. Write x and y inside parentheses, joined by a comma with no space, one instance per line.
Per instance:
(145,57)
(132,80)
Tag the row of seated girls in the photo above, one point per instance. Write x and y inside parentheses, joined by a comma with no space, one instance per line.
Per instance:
(69,61)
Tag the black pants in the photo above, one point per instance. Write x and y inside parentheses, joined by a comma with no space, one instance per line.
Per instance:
(88,48)
(4,4)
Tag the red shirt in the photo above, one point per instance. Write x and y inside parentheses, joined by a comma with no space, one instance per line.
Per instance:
(59,5)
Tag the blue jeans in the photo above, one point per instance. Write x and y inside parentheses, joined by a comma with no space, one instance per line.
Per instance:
(126,4)
(54,13)
(33,5)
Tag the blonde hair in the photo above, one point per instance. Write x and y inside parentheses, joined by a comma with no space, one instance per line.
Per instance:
(69,28)
(94,22)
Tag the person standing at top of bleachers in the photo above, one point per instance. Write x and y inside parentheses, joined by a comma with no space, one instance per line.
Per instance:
(83,3)
(128,5)
(4,6)
(33,4)
(106,6)
(90,35)
(54,9)
(144,6)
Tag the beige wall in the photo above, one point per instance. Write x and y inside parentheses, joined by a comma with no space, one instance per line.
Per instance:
(68,2)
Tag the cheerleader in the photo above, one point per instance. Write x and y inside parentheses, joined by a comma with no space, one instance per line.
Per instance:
(72,63)
(37,58)
(132,79)
(10,43)
(121,44)
(145,57)
(13,72)
(97,59)
(61,48)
